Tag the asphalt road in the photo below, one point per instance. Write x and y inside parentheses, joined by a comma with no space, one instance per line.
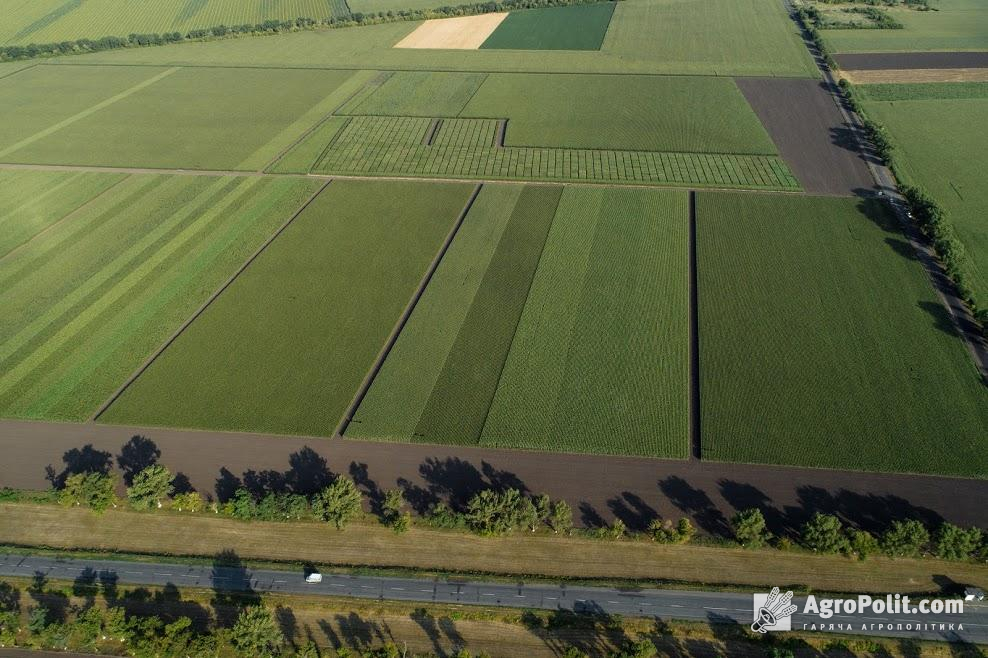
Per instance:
(714,607)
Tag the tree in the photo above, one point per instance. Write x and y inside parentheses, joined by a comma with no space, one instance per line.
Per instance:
(93,489)
(561,518)
(188,502)
(149,487)
(242,506)
(402,523)
(528,515)
(617,529)
(543,507)
(339,503)
(863,543)
(664,532)
(749,528)
(256,633)
(824,533)
(905,539)
(956,543)
(394,500)
(37,619)
(491,513)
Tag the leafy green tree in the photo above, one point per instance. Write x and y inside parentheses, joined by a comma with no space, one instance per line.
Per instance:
(956,543)
(750,529)
(824,533)
(308,650)
(188,502)
(561,518)
(339,503)
(391,511)
(402,523)
(905,539)
(443,516)
(491,513)
(93,489)
(638,649)
(863,543)
(543,507)
(10,626)
(242,506)
(37,619)
(617,530)
(573,652)
(150,487)
(528,515)
(256,633)
(664,532)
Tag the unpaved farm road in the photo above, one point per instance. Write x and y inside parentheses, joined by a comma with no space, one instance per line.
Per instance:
(714,607)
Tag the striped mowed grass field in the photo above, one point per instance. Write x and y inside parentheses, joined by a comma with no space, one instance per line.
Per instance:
(90,298)
(556,321)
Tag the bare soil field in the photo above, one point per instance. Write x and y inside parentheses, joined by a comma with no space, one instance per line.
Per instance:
(461,33)
(810,133)
(879,76)
(929,60)
(599,488)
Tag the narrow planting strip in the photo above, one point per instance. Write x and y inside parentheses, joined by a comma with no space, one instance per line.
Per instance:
(430,133)
(502,129)
(185,325)
(695,451)
(403,320)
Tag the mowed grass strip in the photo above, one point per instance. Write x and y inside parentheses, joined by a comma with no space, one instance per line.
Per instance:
(90,299)
(421,94)
(285,347)
(622,112)
(396,400)
(461,398)
(600,361)
(195,118)
(576,27)
(303,156)
(31,201)
(823,344)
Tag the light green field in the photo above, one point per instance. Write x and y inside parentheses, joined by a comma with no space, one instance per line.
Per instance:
(700,37)
(942,146)
(285,347)
(574,27)
(642,113)
(548,327)
(956,25)
(600,360)
(91,298)
(33,201)
(464,148)
(201,118)
(823,344)
(921,91)
(420,94)
(46,21)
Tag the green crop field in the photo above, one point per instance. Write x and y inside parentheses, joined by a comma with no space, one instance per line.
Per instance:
(955,25)
(419,94)
(551,327)
(654,113)
(713,37)
(89,299)
(823,344)
(196,118)
(45,21)
(576,27)
(284,348)
(921,91)
(942,146)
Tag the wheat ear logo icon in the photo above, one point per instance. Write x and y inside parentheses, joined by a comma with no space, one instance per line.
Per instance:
(776,608)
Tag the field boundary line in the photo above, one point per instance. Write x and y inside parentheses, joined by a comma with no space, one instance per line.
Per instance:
(694,325)
(430,132)
(12,73)
(406,314)
(330,143)
(202,308)
(64,218)
(78,116)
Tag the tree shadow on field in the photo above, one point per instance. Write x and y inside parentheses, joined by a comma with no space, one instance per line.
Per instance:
(456,481)
(742,496)
(695,503)
(869,512)
(86,459)
(308,473)
(136,455)
(359,475)
(941,318)
(632,510)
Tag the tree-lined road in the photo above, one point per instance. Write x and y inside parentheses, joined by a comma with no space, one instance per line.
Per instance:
(712,607)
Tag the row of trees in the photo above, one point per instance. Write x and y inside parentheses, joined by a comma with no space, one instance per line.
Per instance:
(491,512)
(825,533)
(80,46)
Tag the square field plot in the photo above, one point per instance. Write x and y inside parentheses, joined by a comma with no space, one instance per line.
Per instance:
(285,347)
(576,27)
(556,321)
(196,118)
(823,344)
(102,268)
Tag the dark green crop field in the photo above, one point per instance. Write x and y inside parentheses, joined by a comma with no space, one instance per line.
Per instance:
(551,328)
(823,344)
(285,347)
(577,27)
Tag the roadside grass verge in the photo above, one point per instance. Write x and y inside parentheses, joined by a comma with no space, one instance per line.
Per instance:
(284,348)
(822,343)
(373,545)
(91,298)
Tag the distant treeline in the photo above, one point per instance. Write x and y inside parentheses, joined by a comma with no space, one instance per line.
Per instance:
(920,5)
(875,19)
(82,46)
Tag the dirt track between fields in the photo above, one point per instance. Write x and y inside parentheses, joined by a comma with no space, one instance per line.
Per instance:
(598,487)
(810,133)
(931,60)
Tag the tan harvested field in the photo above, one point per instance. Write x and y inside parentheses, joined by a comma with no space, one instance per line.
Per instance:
(878,76)
(370,544)
(461,33)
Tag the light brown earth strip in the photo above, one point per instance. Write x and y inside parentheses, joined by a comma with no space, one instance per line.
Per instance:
(877,76)
(460,33)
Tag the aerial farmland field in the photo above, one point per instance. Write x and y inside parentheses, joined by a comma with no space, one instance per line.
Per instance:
(577,27)
(823,344)
(954,25)
(86,301)
(284,348)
